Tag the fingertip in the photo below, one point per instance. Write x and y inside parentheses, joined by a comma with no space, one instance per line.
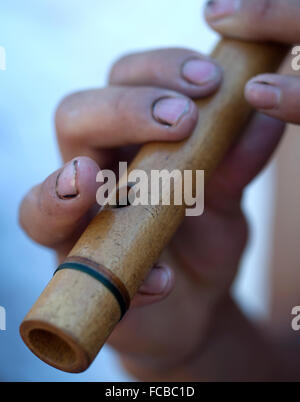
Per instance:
(216,10)
(69,192)
(53,211)
(262,94)
(202,76)
(182,70)
(176,115)
(156,287)
(159,280)
(88,170)
(77,178)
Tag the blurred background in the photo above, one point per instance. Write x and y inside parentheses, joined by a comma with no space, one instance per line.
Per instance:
(56,47)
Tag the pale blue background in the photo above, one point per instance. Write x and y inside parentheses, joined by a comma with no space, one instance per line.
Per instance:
(54,47)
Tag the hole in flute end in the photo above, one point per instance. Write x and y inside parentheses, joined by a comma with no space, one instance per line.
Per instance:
(54,347)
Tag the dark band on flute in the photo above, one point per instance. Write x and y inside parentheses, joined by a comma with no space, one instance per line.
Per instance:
(103,275)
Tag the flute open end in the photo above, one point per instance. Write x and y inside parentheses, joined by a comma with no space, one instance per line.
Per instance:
(54,347)
(71,321)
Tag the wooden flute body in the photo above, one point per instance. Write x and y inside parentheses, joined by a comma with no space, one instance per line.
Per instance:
(83,302)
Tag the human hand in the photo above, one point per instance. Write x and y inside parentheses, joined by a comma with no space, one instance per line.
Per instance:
(150,98)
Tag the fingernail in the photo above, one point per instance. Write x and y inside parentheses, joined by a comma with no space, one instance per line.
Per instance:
(200,72)
(216,9)
(263,94)
(169,111)
(66,187)
(157,281)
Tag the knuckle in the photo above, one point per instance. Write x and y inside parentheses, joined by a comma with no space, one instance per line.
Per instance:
(124,106)
(177,52)
(26,224)
(121,104)
(116,71)
(65,116)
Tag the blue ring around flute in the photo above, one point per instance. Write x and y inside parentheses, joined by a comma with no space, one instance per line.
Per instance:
(100,278)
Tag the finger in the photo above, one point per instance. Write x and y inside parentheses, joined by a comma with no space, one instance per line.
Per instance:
(182,70)
(156,287)
(276,20)
(56,211)
(244,161)
(275,95)
(118,116)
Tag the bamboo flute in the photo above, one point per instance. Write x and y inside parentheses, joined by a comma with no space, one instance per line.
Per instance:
(83,302)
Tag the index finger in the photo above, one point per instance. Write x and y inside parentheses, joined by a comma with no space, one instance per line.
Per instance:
(274,20)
